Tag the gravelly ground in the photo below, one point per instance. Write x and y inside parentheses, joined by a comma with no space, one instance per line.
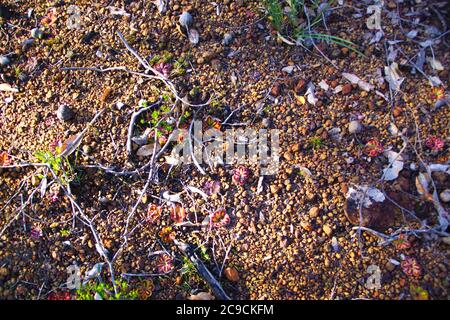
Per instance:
(290,241)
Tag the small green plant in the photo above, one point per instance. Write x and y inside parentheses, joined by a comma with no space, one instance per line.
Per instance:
(203,253)
(52,160)
(188,268)
(155,59)
(17,71)
(156,119)
(291,20)
(316,143)
(64,232)
(275,12)
(61,166)
(185,287)
(185,117)
(166,97)
(179,66)
(103,291)
(166,57)
(267,108)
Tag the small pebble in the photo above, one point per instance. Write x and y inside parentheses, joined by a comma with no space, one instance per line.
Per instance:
(4,61)
(36,33)
(227,39)
(346,89)
(186,20)
(265,122)
(64,113)
(354,127)
(314,212)
(327,229)
(87,149)
(445,195)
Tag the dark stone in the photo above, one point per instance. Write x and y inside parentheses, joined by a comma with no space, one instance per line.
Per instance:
(88,37)
(64,113)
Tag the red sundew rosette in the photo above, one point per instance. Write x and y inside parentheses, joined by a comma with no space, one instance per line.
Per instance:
(165,263)
(59,296)
(240,175)
(373,147)
(434,143)
(153,213)
(5,159)
(177,214)
(163,68)
(145,289)
(402,243)
(411,267)
(220,218)
(35,233)
(167,234)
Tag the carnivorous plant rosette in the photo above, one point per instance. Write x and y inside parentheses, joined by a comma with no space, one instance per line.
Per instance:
(373,148)
(167,234)
(145,289)
(211,187)
(220,218)
(5,159)
(65,295)
(411,267)
(434,143)
(240,175)
(163,68)
(402,242)
(35,233)
(153,213)
(177,213)
(164,263)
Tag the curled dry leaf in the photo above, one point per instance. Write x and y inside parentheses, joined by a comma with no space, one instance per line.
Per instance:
(161,5)
(366,194)
(114,11)
(7,87)
(94,272)
(435,64)
(363,85)
(197,190)
(393,129)
(324,85)
(395,165)
(172,160)
(148,149)
(143,138)
(437,167)
(259,188)
(201,296)
(422,184)
(310,94)
(288,69)
(174,197)
(392,75)
(194,36)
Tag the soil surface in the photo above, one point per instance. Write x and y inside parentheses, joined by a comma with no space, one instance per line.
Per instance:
(290,235)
